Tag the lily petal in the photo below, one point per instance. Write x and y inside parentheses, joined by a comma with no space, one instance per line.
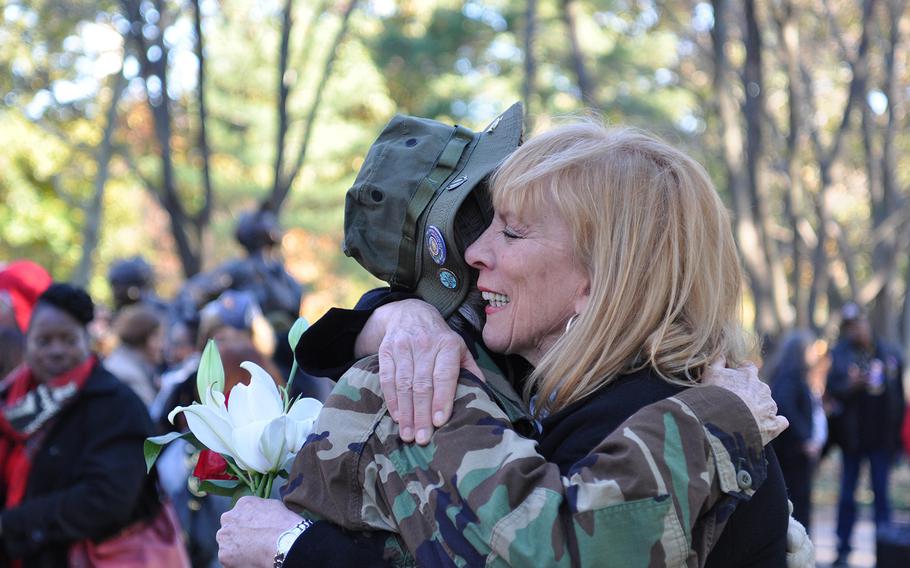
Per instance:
(302,417)
(216,399)
(296,432)
(210,427)
(259,400)
(272,443)
(246,444)
(305,408)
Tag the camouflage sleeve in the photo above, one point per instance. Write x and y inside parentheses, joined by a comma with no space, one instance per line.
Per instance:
(654,493)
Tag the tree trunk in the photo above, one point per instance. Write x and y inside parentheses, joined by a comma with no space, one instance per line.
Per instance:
(585,86)
(205,212)
(187,232)
(94,210)
(789,39)
(885,318)
(754,88)
(529,85)
(280,193)
(733,146)
(283,91)
(827,158)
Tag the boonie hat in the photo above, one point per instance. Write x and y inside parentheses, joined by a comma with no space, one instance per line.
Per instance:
(399,215)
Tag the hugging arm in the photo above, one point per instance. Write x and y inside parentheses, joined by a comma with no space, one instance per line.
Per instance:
(328,348)
(420,356)
(479,493)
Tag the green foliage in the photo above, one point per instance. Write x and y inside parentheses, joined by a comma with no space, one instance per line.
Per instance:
(650,65)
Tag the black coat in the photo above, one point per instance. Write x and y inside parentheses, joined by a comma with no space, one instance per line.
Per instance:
(794,402)
(88,477)
(756,533)
(866,421)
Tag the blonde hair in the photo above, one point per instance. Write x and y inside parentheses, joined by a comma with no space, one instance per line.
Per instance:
(655,239)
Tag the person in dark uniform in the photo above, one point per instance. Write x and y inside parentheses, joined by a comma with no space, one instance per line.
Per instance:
(261,272)
(866,381)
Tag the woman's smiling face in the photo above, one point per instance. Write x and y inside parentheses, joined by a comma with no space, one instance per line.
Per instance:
(55,343)
(531,280)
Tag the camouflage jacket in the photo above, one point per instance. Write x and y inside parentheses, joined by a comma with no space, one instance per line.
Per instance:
(656,492)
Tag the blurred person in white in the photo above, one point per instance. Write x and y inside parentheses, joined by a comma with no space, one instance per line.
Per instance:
(140,351)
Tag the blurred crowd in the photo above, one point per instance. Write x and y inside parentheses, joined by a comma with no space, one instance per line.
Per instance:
(54,341)
(72,470)
(849,396)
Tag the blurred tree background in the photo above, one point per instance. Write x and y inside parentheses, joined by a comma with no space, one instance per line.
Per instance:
(148,126)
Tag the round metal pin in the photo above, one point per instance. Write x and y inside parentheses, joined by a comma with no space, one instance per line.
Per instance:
(448,279)
(436,244)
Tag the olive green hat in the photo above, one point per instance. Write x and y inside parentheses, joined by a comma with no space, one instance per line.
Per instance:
(399,215)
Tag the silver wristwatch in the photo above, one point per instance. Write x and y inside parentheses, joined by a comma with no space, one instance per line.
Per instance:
(286,541)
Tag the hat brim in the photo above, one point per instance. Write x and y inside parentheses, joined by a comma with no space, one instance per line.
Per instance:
(444,276)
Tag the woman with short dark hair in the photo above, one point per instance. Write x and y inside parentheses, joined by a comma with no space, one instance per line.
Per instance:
(72,472)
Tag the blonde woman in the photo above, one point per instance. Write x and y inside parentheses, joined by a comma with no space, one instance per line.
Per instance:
(611,269)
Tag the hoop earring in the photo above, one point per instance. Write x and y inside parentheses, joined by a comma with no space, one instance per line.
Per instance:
(570,323)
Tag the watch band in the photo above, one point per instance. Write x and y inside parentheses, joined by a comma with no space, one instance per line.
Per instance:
(291,534)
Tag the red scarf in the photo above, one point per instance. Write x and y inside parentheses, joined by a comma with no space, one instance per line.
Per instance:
(27,408)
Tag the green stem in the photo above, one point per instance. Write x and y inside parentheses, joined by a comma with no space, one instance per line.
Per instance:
(268,485)
(260,485)
(240,474)
(287,387)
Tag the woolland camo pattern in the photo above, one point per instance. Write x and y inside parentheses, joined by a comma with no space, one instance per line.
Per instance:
(656,492)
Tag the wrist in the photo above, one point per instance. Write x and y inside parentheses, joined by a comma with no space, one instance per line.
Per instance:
(370,337)
(386,317)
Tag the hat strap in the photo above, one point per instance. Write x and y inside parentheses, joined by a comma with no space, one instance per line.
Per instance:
(444,168)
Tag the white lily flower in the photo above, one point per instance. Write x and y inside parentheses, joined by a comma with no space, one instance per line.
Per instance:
(209,422)
(301,419)
(253,430)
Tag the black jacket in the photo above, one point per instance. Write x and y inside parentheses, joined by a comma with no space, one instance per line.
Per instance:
(866,421)
(88,477)
(756,533)
(794,402)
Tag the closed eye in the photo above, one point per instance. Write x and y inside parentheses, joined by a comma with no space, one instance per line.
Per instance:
(510,234)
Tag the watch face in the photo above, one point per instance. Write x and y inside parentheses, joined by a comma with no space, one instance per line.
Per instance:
(286,540)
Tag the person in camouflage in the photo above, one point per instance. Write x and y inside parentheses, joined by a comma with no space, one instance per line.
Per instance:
(656,492)
(480,494)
